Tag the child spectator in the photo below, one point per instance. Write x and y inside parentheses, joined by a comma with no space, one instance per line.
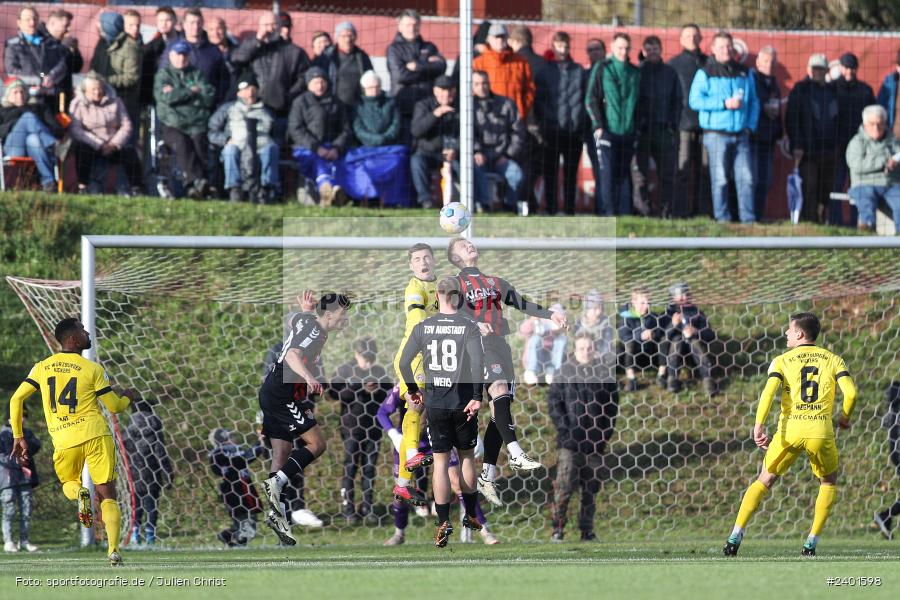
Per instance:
(643,333)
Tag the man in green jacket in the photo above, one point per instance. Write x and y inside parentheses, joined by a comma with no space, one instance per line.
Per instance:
(873,157)
(184,101)
(611,104)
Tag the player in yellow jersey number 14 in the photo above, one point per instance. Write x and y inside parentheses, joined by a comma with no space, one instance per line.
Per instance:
(809,376)
(70,386)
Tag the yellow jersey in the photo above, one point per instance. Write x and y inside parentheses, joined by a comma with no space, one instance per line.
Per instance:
(419,302)
(809,377)
(70,386)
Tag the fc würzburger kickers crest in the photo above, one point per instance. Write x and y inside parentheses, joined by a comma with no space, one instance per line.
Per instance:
(496,368)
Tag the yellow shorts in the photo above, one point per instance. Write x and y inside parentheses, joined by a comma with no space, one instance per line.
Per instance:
(822,453)
(100,455)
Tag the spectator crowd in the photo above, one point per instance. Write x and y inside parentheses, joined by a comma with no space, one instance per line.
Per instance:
(214,116)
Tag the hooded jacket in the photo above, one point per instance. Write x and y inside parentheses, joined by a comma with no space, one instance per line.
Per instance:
(96,124)
(148,457)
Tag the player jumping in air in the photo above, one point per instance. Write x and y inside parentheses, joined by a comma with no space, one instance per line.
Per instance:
(483,300)
(450,346)
(808,375)
(419,301)
(281,396)
(70,386)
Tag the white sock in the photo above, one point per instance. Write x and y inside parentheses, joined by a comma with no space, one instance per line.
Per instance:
(281,480)
(514,449)
(489,472)
(400,532)
(402,482)
(738,531)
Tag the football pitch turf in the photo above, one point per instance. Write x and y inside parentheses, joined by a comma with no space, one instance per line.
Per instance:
(696,569)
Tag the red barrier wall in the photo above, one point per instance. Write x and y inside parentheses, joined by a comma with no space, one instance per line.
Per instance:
(876,51)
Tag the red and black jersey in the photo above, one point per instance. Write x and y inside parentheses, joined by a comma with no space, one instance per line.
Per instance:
(484,297)
(305,335)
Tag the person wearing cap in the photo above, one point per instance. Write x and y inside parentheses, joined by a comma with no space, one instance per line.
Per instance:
(150,466)
(184,101)
(873,157)
(319,129)
(243,129)
(583,402)
(345,63)
(413,64)
(204,56)
(768,129)
(279,66)
(435,132)
(35,56)
(724,95)
(689,334)
(29,128)
(545,347)
(853,96)
(378,166)
(811,123)
(509,73)
(100,130)
(231,461)
(498,143)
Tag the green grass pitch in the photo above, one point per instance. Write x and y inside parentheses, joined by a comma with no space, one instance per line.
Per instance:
(678,569)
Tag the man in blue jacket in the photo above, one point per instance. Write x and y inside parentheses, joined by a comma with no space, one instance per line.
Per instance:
(887,96)
(724,94)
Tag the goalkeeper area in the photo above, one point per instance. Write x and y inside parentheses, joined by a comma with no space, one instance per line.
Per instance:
(688,569)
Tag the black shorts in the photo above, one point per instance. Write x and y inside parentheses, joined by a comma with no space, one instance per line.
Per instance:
(498,362)
(449,429)
(284,420)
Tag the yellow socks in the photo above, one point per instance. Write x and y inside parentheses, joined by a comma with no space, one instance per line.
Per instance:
(71,489)
(824,502)
(112,519)
(752,497)
(412,421)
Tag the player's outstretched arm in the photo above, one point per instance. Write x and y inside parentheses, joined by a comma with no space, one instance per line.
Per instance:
(512,297)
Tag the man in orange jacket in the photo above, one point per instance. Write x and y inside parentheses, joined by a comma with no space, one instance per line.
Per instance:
(509,73)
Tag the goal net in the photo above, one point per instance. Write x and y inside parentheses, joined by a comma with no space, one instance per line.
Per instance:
(190,330)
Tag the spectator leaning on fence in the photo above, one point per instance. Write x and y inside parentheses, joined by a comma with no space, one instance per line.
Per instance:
(100,130)
(811,122)
(319,128)
(498,142)
(243,129)
(414,64)
(724,95)
(435,131)
(768,130)
(28,128)
(692,190)
(873,156)
(184,101)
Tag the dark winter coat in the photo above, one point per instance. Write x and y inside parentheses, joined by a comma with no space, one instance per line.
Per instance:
(231,463)
(686,66)
(582,407)
(659,97)
(74,63)
(768,130)
(22,59)
(314,121)
(279,67)
(9,116)
(690,315)
(812,118)
(151,56)
(499,132)
(376,121)
(408,87)
(359,406)
(344,72)
(560,97)
(632,325)
(148,458)
(11,474)
(852,98)
(433,134)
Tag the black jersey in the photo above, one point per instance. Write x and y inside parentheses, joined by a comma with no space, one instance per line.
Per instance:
(453,359)
(309,338)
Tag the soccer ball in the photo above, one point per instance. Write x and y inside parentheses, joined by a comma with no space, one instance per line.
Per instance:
(455,217)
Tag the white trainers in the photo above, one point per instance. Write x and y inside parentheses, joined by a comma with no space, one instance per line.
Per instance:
(280,526)
(396,540)
(529,378)
(31,547)
(10,547)
(523,463)
(306,518)
(270,488)
(488,489)
(488,537)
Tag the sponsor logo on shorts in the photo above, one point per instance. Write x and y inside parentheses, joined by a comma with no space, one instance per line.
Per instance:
(496,368)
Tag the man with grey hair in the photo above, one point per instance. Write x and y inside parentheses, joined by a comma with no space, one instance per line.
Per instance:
(345,63)
(811,122)
(414,64)
(768,129)
(873,157)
